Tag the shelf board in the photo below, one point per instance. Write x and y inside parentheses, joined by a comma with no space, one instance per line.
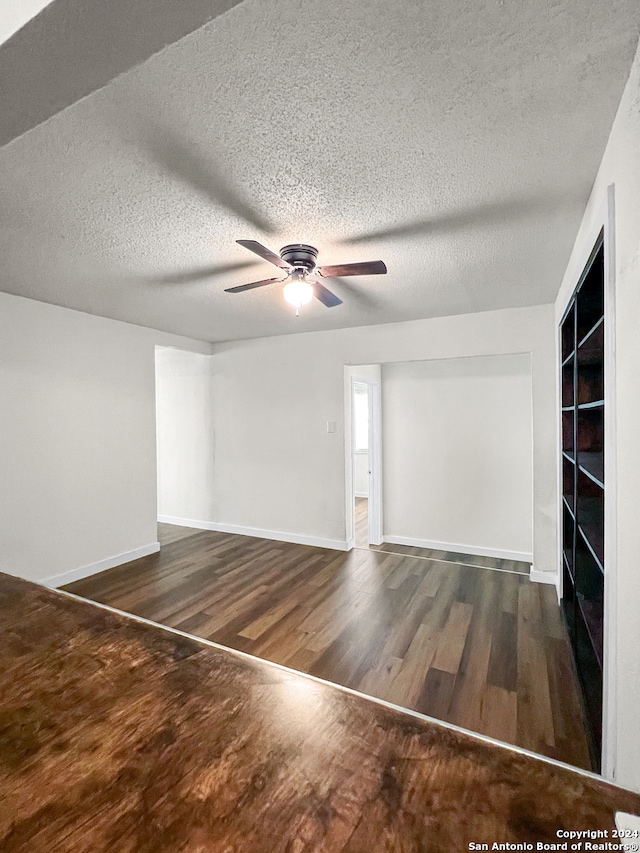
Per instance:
(596,404)
(568,408)
(591,613)
(593,537)
(591,519)
(591,348)
(568,565)
(570,455)
(592,464)
(591,331)
(569,503)
(568,358)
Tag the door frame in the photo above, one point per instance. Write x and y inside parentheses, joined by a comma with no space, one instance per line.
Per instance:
(374,456)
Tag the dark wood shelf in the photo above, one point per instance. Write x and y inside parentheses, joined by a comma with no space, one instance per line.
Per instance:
(593,341)
(568,383)
(582,382)
(593,466)
(590,295)
(591,612)
(591,525)
(593,537)
(568,333)
(566,553)
(590,378)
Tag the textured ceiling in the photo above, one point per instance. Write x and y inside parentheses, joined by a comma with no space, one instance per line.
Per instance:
(14,15)
(457,140)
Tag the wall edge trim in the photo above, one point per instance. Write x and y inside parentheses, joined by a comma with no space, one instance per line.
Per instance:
(543,577)
(81,572)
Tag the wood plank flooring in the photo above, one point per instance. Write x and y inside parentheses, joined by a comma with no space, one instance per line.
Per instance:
(482,649)
(168,533)
(362,541)
(119,737)
(361,522)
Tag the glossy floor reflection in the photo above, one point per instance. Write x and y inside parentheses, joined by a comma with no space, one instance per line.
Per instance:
(485,650)
(120,736)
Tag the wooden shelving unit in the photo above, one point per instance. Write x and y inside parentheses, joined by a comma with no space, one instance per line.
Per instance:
(583,485)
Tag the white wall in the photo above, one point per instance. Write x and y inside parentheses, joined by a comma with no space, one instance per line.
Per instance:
(621,167)
(276,467)
(77,437)
(457,451)
(185,433)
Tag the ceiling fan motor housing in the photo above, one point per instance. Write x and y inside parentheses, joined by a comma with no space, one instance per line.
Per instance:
(299,259)
(300,255)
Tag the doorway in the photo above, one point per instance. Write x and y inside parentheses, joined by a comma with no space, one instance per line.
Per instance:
(184,439)
(365,492)
(361,468)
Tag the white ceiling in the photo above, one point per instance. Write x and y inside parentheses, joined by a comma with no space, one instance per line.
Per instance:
(456,140)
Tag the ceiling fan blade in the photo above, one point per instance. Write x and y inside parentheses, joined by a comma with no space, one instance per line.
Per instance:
(265,253)
(324,295)
(365,268)
(253,284)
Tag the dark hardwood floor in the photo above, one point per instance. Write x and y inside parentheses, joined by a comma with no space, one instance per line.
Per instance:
(169,533)
(361,517)
(119,737)
(361,522)
(485,650)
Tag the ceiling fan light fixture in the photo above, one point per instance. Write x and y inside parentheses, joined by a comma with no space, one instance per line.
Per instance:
(298,292)
(299,260)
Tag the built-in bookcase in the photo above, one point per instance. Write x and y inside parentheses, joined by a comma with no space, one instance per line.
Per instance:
(583,486)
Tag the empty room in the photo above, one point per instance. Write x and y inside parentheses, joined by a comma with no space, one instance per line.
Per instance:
(318,417)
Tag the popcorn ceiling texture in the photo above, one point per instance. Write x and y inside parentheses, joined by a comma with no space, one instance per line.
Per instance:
(72,48)
(458,141)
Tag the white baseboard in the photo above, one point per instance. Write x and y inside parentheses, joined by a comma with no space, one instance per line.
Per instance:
(102,565)
(361,494)
(351,544)
(184,522)
(457,548)
(259,533)
(543,577)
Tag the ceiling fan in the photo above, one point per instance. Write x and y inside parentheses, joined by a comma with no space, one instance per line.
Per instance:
(299,260)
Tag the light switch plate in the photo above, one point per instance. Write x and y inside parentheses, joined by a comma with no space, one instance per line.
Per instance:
(331,426)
